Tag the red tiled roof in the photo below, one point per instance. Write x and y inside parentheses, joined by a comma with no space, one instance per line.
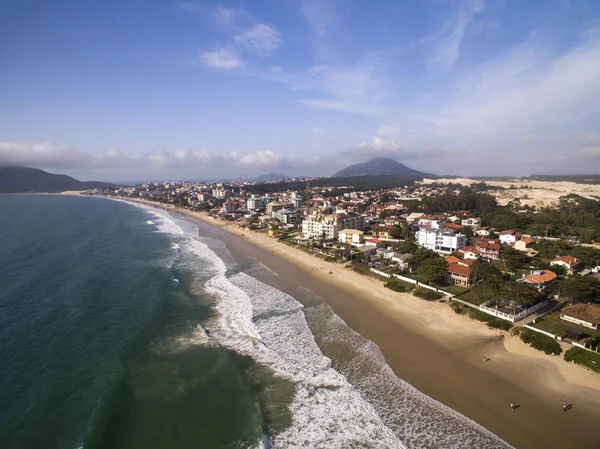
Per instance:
(488,245)
(459,269)
(452,259)
(542,278)
(527,240)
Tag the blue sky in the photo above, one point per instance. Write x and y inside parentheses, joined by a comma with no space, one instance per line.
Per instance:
(122,90)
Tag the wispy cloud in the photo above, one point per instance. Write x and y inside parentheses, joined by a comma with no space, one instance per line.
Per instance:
(223,59)
(446,42)
(319,131)
(261,39)
(246,37)
(380,147)
(319,15)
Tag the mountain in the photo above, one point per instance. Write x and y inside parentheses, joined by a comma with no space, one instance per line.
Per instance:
(272,177)
(25,179)
(382,166)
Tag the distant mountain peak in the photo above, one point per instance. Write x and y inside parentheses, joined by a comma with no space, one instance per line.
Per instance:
(272,177)
(381,166)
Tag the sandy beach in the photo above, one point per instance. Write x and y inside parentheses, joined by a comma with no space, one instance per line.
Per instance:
(441,353)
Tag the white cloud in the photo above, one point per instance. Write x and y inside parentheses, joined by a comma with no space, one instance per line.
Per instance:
(319,131)
(380,147)
(223,58)
(261,39)
(447,41)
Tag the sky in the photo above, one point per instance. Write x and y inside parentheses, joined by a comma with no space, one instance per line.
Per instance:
(122,90)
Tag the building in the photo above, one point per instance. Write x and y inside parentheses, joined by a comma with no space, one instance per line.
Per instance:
(489,250)
(351,236)
(484,232)
(471,222)
(255,203)
(470,252)
(509,237)
(329,226)
(460,275)
(587,315)
(297,200)
(219,193)
(273,206)
(228,207)
(524,244)
(382,232)
(403,260)
(287,216)
(570,263)
(440,240)
(539,279)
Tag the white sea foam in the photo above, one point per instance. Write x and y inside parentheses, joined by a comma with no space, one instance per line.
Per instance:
(149,222)
(261,322)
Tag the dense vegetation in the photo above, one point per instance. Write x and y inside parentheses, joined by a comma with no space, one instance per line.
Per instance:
(584,357)
(541,342)
(425,293)
(399,286)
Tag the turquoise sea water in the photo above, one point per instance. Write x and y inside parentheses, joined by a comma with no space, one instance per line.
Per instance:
(122,327)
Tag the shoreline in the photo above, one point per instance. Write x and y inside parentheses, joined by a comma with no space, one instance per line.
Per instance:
(443,358)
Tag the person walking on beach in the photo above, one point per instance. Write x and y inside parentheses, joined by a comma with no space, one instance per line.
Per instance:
(512,406)
(565,406)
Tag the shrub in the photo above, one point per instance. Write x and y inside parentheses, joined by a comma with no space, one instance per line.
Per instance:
(458,308)
(497,323)
(425,293)
(583,357)
(541,342)
(479,315)
(399,286)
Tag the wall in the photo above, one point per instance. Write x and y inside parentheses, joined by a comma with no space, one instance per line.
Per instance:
(412,281)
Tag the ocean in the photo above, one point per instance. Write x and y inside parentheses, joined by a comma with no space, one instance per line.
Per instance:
(122,326)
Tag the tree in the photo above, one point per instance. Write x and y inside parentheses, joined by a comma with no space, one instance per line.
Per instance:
(514,259)
(484,270)
(433,269)
(407,246)
(580,288)
(396,232)
(560,270)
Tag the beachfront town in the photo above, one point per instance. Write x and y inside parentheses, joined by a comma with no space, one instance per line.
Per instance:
(518,268)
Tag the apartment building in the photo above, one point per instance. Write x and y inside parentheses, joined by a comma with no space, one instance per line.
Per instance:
(329,226)
(441,240)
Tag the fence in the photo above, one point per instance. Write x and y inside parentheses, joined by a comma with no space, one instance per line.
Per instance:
(412,281)
(555,337)
(507,316)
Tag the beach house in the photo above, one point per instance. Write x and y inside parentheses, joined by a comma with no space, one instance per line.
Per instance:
(539,279)
(459,274)
(587,315)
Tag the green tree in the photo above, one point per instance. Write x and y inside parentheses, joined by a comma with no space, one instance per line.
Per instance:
(432,269)
(396,232)
(514,259)
(580,288)
(485,270)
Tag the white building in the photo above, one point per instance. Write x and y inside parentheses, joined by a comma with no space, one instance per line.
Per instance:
(255,203)
(296,200)
(329,226)
(440,240)
(219,193)
(509,237)
(351,236)
(471,222)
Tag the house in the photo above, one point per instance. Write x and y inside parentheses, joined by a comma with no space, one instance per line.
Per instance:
(403,260)
(509,237)
(524,244)
(489,250)
(452,259)
(351,236)
(471,222)
(459,275)
(484,232)
(539,279)
(411,218)
(570,263)
(382,232)
(587,315)
(367,250)
(470,252)
(372,242)
(454,227)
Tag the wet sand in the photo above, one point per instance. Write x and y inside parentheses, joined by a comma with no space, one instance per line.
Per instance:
(441,353)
